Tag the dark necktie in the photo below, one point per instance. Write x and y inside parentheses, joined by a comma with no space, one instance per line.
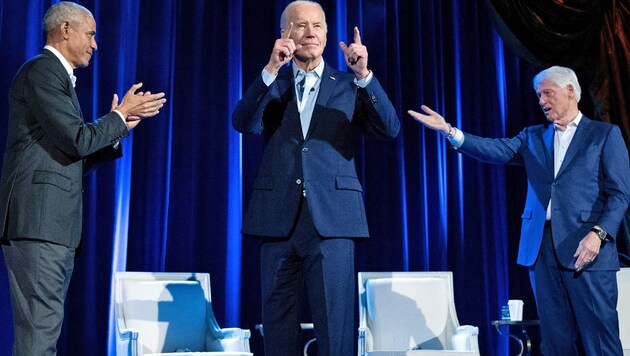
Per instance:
(300,84)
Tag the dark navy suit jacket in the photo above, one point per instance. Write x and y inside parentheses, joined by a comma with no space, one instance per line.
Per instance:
(49,147)
(323,163)
(591,187)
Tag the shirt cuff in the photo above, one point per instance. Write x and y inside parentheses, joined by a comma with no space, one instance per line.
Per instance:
(365,81)
(268,78)
(458,138)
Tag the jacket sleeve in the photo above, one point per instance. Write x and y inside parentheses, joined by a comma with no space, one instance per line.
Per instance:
(374,113)
(54,109)
(248,114)
(616,175)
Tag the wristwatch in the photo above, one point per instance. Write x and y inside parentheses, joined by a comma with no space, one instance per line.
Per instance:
(603,235)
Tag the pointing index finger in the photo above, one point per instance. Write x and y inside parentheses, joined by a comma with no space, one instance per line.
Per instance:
(357,35)
(287,33)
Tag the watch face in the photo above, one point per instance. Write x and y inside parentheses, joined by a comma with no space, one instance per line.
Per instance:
(601,233)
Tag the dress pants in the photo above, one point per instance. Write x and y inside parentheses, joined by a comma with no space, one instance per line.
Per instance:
(39,276)
(577,310)
(325,267)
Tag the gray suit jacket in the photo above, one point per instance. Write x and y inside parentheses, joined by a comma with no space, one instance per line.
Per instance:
(49,147)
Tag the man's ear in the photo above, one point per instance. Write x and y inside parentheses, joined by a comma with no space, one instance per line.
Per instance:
(65,28)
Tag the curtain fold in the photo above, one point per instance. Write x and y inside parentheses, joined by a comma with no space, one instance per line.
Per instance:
(590,36)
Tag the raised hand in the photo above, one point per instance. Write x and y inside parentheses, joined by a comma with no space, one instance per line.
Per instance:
(356,55)
(283,50)
(140,105)
(433,120)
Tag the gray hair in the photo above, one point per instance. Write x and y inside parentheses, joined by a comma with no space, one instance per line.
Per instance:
(284,21)
(561,76)
(64,11)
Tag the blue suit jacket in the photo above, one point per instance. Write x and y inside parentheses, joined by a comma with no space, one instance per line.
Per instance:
(323,163)
(591,187)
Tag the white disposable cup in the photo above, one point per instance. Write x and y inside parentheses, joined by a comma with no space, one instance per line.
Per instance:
(516,309)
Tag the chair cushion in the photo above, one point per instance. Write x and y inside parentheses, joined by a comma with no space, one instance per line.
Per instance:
(411,313)
(157,308)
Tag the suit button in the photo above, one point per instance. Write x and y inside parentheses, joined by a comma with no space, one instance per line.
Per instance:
(305,149)
(299,181)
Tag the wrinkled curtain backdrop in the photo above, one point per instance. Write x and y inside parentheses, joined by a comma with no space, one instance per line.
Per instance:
(174,202)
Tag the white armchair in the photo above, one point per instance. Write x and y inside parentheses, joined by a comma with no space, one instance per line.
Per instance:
(623,308)
(171,314)
(411,313)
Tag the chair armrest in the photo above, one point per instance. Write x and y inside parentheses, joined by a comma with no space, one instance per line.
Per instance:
(466,338)
(128,334)
(361,346)
(127,342)
(235,339)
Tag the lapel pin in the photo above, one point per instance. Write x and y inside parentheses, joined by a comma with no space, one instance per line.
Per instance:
(333,78)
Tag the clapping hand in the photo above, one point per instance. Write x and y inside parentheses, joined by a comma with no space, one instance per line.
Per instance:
(138,105)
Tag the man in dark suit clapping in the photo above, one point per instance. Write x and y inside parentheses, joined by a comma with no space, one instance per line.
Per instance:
(49,147)
(307,204)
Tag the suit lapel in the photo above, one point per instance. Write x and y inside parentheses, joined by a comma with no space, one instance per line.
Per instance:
(286,92)
(61,70)
(579,139)
(75,100)
(548,136)
(326,88)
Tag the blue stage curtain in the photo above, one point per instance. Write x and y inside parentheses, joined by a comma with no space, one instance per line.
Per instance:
(175,201)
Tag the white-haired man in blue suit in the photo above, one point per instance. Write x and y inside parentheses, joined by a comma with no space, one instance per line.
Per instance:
(578,186)
(307,203)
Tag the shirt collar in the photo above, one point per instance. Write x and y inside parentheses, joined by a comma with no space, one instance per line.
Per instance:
(319,70)
(63,60)
(574,123)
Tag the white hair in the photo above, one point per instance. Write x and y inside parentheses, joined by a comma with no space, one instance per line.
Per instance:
(64,11)
(284,21)
(561,76)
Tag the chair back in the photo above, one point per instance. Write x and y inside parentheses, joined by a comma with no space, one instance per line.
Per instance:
(170,311)
(623,307)
(407,310)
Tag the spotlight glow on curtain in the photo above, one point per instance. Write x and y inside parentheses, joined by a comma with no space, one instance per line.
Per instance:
(174,202)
